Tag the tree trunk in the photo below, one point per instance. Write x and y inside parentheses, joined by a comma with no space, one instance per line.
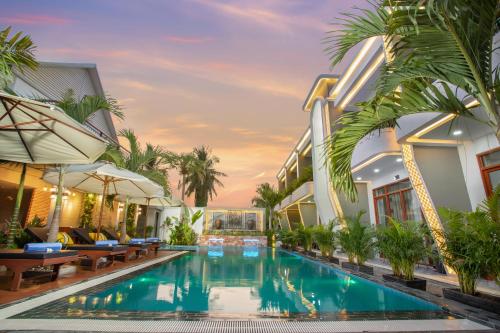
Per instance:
(183,187)
(123,229)
(54,225)
(14,222)
(270,219)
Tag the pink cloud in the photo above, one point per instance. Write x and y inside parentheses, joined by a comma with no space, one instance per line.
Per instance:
(187,39)
(32,19)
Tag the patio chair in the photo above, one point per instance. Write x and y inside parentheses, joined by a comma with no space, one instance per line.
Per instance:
(22,260)
(91,251)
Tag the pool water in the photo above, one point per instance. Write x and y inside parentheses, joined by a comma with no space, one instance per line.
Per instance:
(239,282)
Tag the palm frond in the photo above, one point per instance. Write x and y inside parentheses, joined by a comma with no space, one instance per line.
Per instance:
(18,51)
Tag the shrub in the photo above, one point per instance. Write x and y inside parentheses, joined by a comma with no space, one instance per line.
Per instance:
(289,238)
(472,245)
(356,239)
(324,236)
(402,243)
(305,237)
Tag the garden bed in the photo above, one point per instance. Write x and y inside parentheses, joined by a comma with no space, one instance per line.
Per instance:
(482,301)
(416,283)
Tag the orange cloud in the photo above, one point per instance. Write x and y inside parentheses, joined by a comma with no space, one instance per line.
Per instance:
(30,19)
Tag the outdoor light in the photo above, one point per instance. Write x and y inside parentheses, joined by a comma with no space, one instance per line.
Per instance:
(359,178)
(457,132)
(399,160)
(376,170)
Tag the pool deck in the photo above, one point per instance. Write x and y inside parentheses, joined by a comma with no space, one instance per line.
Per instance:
(69,285)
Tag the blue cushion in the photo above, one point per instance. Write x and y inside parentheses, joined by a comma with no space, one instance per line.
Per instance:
(42,247)
(137,241)
(106,242)
(152,239)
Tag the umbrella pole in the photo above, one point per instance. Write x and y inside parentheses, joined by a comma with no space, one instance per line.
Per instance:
(103,200)
(56,217)
(146,219)
(15,214)
(123,232)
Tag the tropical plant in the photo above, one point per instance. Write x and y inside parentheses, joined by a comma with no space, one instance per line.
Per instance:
(306,175)
(439,51)
(472,245)
(15,51)
(203,177)
(402,243)
(324,236)
(37,221)
(289,238)
(150,162)
(182,232)
(129,221)
(89,201)
(356,239)
(267,197)
(305,235)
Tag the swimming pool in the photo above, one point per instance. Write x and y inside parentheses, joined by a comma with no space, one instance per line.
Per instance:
(238,283)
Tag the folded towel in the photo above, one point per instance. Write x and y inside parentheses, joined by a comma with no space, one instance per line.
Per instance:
(106,242)
(43,247)
(137,241)
(152,239)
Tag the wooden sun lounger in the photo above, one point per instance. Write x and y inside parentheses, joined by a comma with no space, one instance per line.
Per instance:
(135,249)
(94,252)
(152,247)
(19,262)
(90,251)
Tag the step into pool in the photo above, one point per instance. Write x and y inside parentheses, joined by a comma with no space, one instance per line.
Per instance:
(239,283)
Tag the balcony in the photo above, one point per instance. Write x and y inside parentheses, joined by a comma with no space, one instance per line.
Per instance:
(302,193)
(374,146)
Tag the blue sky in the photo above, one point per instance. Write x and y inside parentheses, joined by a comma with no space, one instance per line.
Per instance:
(229,74)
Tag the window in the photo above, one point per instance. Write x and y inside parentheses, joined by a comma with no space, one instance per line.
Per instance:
(489,164)
(397,200)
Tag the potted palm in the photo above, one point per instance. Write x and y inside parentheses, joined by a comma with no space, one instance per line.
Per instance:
(472,249)
(402,243)
(356,239)
(305,235)
(324,236)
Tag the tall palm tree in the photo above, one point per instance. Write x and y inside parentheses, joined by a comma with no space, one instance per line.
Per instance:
(15,51)
(149,162)
(203,177)
(18,51)
(438,50)
(184,163)
(81,110)
(267,197)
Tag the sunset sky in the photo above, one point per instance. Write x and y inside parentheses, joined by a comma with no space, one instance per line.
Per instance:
(229,74)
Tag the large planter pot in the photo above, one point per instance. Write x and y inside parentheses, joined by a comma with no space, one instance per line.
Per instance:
(311,254)
(482,301)
(358,268)
(334,260)
(415,283)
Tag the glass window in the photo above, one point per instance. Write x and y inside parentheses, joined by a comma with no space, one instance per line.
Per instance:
(489,164)
(218,220)
(234,220)
(491,159)
(251,221)
(397,200)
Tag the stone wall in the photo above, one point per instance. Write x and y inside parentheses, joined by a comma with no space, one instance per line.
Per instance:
(232,240)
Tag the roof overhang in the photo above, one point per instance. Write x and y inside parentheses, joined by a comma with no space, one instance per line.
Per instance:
(320,88)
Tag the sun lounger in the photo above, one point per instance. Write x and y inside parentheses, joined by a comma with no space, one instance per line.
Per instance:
(136,249)
(20,261)
(152,244)
(91,251)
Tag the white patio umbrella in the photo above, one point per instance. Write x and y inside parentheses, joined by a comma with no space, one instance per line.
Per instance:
(39,133)
(105,178)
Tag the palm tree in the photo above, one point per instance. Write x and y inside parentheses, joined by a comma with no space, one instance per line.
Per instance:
(149,162)
(184,163)
(203,177)
(438,51)
(267,197)
(16,51)
(80,110)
